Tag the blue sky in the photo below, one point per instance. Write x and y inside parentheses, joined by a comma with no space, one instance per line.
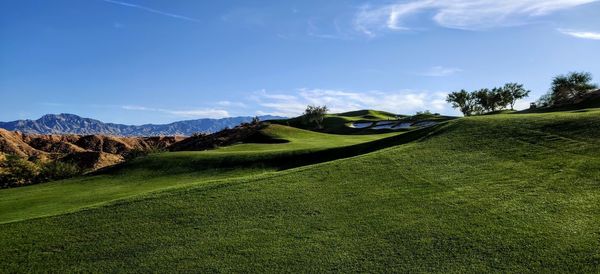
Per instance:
(158,61)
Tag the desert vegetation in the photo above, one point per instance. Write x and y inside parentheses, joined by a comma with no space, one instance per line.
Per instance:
(17,171)
(35,158)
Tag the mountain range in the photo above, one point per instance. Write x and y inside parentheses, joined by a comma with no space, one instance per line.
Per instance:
(73,124)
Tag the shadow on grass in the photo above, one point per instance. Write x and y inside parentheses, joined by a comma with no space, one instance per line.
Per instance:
(176,164)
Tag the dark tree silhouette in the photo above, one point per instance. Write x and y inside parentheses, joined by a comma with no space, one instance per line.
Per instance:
(315,114)
(512,92)
(462,100)
(568,89)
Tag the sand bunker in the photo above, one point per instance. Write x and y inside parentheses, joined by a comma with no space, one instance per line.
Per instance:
(361,125)
(402,126)
(388,126)
(426,124)
(392,125)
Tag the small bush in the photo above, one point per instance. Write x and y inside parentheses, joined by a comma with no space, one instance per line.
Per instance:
(57,170)
(17,171)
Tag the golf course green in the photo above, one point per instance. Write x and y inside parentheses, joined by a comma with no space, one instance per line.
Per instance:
(517,192)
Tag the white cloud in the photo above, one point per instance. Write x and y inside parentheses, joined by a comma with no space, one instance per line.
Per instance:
(231,104)
(151,10)
(440,71)
(341,101)
(459,14)
(190,113)
(581,34)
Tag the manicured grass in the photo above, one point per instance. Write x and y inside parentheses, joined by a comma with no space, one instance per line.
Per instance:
(339,123)
(162,171)
(499,193)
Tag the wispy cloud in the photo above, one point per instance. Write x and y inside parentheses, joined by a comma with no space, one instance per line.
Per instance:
(458,14)
(340,101)
(190,113)
(144,8)
(335,30)
(440,71)
(231,104)
(581,34)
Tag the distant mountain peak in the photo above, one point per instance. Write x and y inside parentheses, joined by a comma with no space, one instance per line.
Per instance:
(67,123)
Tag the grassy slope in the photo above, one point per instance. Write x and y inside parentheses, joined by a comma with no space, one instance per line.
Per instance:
(505,193)
(166,170)
(338,123)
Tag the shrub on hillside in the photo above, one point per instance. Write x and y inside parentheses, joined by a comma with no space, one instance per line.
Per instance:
(56,170)
(17,171)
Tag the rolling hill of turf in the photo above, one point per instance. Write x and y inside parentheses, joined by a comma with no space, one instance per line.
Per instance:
(167,170)
(339,123)
(498,193)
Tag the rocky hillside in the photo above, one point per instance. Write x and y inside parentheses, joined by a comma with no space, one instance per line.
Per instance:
(89,152)
(73,124)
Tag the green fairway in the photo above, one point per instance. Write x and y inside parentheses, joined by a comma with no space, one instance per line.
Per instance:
(340,123)
(496,193)
(167,170)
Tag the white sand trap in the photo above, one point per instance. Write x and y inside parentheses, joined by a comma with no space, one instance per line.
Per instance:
(402,126)
(361,125)
(426,124)
(388,126)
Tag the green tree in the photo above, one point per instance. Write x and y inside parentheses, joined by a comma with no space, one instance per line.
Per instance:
(513,92)
(545,100)
(315,114)
(490,100)
(462,100)
(483,98)
(567,89)
(501,98)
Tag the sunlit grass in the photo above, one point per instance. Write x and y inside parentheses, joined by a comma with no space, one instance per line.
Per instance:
(500,193)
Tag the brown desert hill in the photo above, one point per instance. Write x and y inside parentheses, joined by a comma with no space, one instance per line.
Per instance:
(88,152)
(163,142)
(93,160)
(55,144)
(13,143)
(244,133)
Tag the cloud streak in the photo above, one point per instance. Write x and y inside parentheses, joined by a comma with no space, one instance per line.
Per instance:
(458,14)
(341,101)
(581,34)
(440,71)
(151,10)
